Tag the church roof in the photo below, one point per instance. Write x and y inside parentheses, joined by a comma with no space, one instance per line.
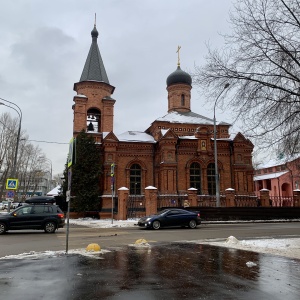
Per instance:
(136,136)
(94,68)
(185,117)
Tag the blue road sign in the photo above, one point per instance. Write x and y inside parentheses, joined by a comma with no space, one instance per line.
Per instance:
(10,194)
(11,184)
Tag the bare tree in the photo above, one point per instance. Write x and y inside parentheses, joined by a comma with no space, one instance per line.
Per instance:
(31,162)
(8,133)
(261,62)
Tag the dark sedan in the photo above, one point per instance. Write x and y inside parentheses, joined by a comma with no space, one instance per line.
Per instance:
(170,218)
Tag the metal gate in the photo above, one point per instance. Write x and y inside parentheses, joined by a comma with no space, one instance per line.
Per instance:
(171,200)
(136,206)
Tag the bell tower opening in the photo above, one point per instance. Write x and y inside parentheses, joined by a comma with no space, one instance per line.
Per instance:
(93,120)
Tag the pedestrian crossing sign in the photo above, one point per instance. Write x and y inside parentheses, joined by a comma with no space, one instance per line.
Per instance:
(11,184)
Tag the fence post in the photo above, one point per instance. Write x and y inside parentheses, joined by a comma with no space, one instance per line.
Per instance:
(264,197)
(296,198)
(123,194)
(192,197)
(230,197)
(150,200)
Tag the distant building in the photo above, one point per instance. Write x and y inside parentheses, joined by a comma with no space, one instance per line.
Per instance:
(35,184)
(280,176)
(175,153)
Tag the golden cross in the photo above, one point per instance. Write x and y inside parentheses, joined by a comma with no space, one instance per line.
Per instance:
(178,48)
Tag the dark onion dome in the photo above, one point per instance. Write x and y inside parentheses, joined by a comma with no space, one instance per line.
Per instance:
(179,76)
(94,32)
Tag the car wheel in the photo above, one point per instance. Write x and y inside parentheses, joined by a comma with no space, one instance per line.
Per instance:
(156,225)
(50,227)
(192,224)
(2,228)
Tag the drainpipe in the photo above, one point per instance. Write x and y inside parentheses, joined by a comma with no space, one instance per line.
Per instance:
(231,151)
(176,159)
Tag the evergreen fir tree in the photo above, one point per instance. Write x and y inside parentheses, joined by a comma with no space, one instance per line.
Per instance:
(86,169)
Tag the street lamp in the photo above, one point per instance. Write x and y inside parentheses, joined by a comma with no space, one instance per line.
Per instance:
(50,162)
(217,181)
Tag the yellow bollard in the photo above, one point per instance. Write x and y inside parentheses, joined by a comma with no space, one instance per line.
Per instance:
(141,242)
(93,247)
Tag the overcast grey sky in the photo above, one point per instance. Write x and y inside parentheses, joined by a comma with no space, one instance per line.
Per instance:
(44,45)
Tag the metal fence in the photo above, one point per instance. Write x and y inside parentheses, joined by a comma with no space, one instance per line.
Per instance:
(246,201)
(210,200)
(136,203)
(171,200)
(136,206)
(279,201)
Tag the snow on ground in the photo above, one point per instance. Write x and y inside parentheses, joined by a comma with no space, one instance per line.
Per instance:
(103,223)
(284,247)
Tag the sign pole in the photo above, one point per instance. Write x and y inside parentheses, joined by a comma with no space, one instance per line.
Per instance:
(68,217)
(68,193)
(112,174)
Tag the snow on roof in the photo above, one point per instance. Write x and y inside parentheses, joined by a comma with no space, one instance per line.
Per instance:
(269,176)
(185,117)
(190,137)
(136,136)
(164,131)
(54,192)
(81,96)
(277,161)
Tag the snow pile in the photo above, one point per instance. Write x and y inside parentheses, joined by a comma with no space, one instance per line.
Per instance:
(251,264)
(231,240)
(103,223)
(50,254)
(284,247)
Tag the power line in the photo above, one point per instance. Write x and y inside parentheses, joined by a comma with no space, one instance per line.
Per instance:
(33,140)
(4,125)
(48,142)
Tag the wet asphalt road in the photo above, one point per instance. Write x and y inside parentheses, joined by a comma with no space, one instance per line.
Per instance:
(161,271)
(16,242)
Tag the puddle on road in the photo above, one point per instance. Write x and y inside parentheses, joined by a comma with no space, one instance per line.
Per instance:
(172,271)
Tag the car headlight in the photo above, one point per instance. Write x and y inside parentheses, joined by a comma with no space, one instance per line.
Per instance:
(148,219)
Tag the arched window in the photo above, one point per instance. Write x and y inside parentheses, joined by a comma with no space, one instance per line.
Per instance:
(182,100)
(211,179)
(93,120)
(195,176)
(135,179)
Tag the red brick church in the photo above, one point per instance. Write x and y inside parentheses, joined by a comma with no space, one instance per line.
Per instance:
(175,153)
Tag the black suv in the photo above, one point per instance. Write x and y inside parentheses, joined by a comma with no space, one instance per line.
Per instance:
(37,213)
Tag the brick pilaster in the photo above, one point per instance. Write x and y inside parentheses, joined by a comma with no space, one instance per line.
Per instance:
(230,197)
(123,194)
(264,197)
(192,196)
(296,200)
(151,200)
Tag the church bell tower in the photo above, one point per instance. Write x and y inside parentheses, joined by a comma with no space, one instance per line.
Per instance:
(94,107)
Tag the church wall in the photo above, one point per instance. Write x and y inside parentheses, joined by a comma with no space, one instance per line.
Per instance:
(125,156)
(166,165)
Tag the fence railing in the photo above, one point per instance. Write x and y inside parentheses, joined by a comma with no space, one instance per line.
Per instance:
(279,201)
(210,200)
(171,200)
(136,203)
(246,201)
(136,206)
